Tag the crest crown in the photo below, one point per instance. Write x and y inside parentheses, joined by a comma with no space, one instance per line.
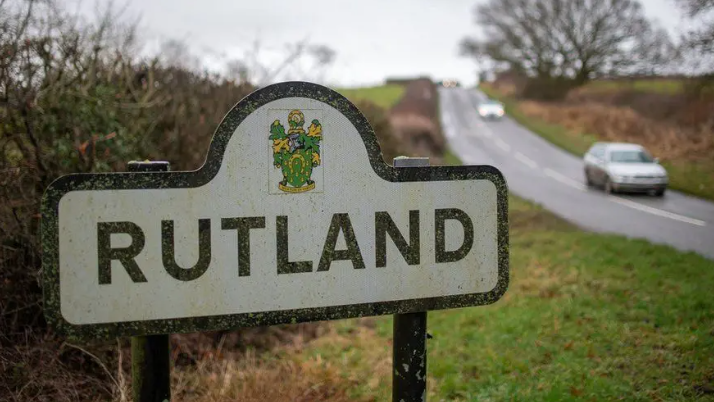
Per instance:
(296,119)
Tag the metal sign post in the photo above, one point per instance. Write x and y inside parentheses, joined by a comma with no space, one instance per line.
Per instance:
(150,355)
(294,217)
(409,333)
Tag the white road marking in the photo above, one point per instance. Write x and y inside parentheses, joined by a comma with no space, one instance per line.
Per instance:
(622,201)
(655,211)
(564,179)
(448,126)
(484,131)
(502,145)
(526,160)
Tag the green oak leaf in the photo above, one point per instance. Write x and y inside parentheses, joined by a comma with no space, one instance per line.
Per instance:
(277,131)
(310,143)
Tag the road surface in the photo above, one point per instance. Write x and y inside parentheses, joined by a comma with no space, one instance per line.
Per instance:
(541,172)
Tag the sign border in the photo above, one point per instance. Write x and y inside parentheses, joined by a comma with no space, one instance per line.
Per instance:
(188,179)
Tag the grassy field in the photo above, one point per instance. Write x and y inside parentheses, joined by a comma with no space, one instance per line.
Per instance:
(695,177)
(385,96)
(586,317)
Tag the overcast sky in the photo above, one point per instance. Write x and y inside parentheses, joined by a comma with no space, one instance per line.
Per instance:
(373,39)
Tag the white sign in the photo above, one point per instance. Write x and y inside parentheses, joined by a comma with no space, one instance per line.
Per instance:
(294,217)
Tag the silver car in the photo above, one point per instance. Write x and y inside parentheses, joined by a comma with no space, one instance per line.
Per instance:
(624,167)
(491,109)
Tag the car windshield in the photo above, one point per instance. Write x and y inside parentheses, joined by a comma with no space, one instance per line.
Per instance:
(630,157)
(491,103)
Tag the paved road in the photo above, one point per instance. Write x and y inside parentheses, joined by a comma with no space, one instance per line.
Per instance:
(541,172)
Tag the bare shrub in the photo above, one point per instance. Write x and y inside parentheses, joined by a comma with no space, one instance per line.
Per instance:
(691,107)
(293,373)
(190,349)
(545,89)
(383,128)
(415,120)
(418,134)
(610,123)
(254,379)
(74,98)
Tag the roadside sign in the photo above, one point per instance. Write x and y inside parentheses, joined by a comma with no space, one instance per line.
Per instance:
(293,217)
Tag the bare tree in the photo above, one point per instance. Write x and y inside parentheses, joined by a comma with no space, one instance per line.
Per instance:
(564,39)
(301,60)
(699,40)
(697,46)
(177,53)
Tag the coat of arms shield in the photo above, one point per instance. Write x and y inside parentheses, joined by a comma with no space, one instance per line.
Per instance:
(296,152)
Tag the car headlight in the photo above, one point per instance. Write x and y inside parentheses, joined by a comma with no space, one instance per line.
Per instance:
(618,179)
(500,112)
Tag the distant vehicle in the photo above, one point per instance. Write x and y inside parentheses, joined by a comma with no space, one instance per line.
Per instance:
(450,83)
(623,167)
(491,109)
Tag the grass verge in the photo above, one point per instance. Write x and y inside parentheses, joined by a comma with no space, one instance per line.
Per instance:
(694,177)
(587,317)
(384,96)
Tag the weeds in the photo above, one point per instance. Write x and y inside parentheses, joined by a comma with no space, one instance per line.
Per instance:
(669,142)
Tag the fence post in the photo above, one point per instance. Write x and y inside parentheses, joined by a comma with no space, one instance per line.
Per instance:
(409,345)
(150,355)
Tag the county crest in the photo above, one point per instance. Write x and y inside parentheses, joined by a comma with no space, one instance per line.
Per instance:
(296,152)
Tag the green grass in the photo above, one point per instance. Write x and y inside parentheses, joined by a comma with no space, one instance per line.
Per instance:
(586,317)
(451,159)
(692,177)
(696,178)
(385,96)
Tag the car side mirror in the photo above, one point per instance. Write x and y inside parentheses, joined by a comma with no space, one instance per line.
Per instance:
(655,160)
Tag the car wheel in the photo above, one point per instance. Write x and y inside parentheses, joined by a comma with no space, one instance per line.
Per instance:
(588,180)
(659,193)
(608,186)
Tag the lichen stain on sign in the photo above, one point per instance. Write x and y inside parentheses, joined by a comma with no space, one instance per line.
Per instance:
(294,217)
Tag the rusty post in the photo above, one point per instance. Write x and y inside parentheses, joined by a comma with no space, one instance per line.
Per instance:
(150,355)
(409,345)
